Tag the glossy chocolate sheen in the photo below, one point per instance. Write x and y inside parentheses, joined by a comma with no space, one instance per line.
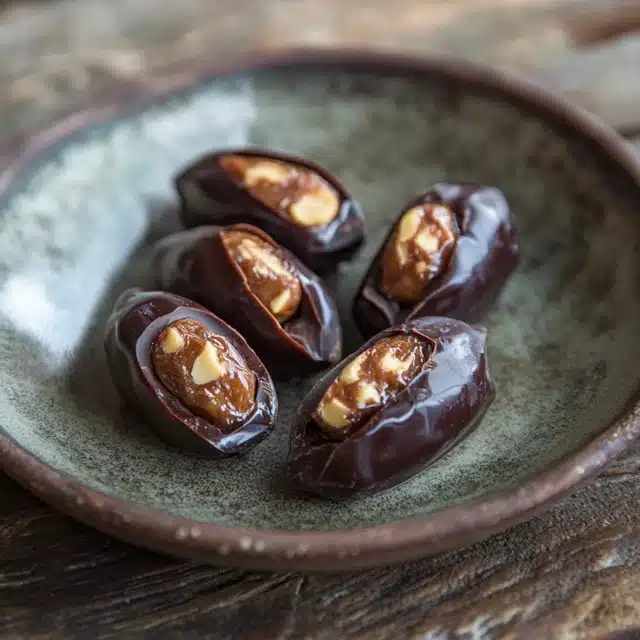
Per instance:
(209,196)
(439,406)
(485,255)
(195,264)
(137,319)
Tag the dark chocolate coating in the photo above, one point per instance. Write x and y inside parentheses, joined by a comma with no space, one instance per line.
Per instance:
(439,406)
(136,320)
(485,255)
(195,264)
(210,196)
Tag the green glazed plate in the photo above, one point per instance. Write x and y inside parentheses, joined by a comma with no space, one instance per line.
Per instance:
(81,202)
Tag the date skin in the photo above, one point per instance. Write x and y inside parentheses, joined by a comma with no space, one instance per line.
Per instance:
(441,405)
(485,255)
(195,264)
(136,320)
(209,196)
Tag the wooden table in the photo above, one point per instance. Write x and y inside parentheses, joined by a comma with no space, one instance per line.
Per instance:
(571,573)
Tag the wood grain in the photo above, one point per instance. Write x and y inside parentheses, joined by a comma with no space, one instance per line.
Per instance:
(571,573)
(54,53)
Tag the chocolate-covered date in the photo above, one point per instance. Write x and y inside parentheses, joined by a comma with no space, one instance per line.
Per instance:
(241,274)
(300,204)
(390,409)
(191,377)
(449,253)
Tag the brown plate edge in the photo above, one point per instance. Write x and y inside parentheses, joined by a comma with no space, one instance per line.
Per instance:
(332,550)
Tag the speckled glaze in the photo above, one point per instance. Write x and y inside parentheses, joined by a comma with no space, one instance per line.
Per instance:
(80,207)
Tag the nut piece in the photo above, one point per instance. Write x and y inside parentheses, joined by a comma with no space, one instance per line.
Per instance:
(173,341)
(409,224)
(427,241)
(207,366)
(367,395)
(368,382)
(265,171)
(267,275)
(315,208)
(418,251)
(280,302)
(351,373)
(292,191)
(335,413)
(391,364)
(206,373)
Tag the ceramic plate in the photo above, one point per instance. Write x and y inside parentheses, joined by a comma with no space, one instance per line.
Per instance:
(82,202)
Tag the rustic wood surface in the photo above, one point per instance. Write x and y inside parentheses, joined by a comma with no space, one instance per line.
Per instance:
(571,573)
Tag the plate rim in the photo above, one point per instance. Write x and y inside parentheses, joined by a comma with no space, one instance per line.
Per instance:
(334,550)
